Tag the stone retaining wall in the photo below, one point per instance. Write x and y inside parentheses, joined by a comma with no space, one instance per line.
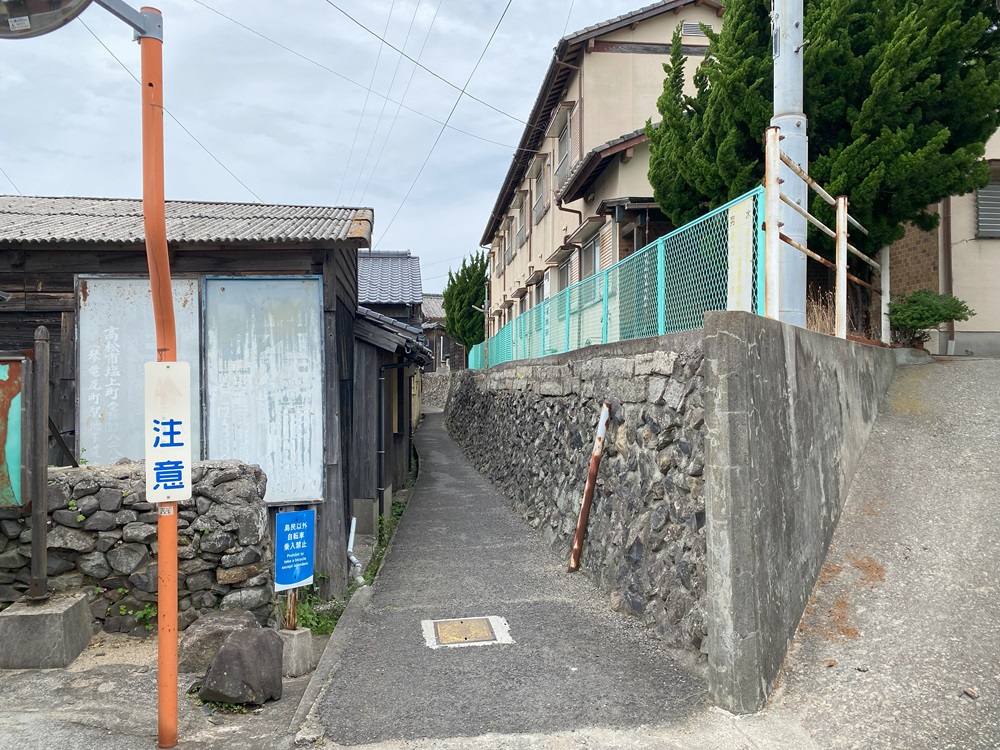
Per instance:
(102,538)
(436,388)
(529,427)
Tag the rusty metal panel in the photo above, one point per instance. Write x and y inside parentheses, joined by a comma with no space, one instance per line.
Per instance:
(264,377)
(117,336)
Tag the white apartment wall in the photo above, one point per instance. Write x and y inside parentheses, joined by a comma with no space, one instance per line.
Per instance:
(619,93)
(620,89)
(976,273)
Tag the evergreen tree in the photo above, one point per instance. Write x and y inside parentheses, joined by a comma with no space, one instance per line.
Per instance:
(466,288)
(901,98)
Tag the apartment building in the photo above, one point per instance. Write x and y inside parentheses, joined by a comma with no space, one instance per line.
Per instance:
(576,198)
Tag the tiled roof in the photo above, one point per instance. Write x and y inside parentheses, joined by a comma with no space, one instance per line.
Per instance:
(393,336)
(433,307)
(388,277)
(589,168)
(113,221)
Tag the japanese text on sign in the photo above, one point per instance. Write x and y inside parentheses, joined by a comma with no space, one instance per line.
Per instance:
(294,558)
(168,431)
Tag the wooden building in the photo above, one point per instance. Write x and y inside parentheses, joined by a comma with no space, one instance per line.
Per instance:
(388,359)
(266,299)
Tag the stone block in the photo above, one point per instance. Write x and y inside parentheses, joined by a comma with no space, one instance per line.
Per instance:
(49,635)
(296,653)
(246,669)
(204,638)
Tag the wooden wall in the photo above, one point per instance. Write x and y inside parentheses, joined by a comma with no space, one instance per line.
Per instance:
(364,466)
(41,279)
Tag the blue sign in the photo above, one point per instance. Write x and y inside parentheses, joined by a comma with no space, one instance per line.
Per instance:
(295,549)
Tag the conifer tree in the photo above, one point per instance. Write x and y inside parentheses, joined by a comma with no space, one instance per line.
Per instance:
(901,98)
(466,288)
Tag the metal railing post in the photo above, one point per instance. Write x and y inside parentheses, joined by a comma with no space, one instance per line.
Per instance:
(759,244)
(840,289)
(772,225)
(661,287)
(883,261)
(568,311)
(604,319)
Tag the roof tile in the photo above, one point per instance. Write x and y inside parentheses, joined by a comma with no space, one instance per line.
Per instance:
(119,221)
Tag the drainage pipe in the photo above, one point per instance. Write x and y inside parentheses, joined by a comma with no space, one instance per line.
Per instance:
(588,493)
(38,463)
(947,271)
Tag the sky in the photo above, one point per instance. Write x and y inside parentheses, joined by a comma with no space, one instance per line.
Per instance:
(276,96)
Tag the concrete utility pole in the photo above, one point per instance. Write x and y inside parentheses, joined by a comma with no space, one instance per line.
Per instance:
(787,47)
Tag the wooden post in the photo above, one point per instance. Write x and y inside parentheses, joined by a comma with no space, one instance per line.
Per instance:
(38,462)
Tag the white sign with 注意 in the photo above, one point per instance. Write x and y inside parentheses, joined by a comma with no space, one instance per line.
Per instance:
(168,431)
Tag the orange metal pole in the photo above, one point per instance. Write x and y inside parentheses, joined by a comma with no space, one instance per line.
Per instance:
(154,219)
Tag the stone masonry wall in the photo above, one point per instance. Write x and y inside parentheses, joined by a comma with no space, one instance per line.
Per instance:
(529,427)
(436,387)
(102,538)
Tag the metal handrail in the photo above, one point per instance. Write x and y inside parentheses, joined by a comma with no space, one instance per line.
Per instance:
(774,197)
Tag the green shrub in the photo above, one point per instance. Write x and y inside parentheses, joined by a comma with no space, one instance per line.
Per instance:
(911,316)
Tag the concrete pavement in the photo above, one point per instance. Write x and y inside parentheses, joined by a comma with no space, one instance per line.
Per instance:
(906,619)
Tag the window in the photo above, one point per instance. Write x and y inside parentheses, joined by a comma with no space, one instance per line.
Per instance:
(539,294)
(988,210)
(563,149)
(522,221)
(522,306)
(563,279)
(590,257)
(541,206)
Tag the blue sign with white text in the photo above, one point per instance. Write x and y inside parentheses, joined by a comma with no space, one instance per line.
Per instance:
(295,549)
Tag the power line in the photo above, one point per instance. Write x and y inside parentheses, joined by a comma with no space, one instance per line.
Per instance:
(171,115)
(441,132)
(364,107)
(568,16)
(425,68)
(349,80)
(16,188)
(381,114)
(395,116)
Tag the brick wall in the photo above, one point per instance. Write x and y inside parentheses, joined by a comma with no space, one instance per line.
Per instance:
(914,262)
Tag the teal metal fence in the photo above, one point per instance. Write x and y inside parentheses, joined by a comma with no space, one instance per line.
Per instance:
(714,263)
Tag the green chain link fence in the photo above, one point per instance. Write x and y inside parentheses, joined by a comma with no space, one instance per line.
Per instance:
(714,263)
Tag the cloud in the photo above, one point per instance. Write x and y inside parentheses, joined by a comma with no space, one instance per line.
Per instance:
(283,125)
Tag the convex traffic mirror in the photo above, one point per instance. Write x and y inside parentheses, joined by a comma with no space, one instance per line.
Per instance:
(20,19)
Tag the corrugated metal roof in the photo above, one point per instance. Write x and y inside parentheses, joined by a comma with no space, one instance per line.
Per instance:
(433,307)
(114,221)
(388,277)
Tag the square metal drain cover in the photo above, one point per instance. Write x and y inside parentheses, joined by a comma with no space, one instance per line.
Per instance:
(466,631)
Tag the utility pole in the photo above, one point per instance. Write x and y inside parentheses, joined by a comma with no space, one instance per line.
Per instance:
(787,48)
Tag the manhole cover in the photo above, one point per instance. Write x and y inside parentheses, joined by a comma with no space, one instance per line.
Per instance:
(466,631)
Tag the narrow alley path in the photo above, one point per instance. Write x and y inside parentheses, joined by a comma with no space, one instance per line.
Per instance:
(462,552)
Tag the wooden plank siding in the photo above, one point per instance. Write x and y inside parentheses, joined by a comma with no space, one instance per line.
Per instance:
(42,279)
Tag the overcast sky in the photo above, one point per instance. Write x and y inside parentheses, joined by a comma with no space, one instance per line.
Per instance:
(291,131)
